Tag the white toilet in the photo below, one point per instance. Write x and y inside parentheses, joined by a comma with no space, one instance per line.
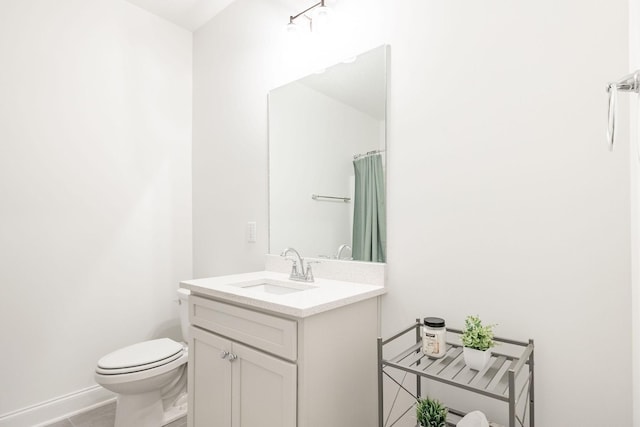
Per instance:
(150,378)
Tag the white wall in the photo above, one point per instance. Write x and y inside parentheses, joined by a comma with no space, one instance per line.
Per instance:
(95,189)
(524,215)
(503,200)
(229,130)
(312,140)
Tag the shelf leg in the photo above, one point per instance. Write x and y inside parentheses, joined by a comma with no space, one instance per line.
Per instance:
(418,382)
(532,421)
(380,394)
(512,398)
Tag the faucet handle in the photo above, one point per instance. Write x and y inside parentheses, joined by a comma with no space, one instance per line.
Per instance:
(294,267)
(308,277)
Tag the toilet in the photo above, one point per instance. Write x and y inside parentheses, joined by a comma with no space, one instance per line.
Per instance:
(150,378)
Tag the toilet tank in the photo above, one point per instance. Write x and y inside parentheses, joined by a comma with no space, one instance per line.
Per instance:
(183,306)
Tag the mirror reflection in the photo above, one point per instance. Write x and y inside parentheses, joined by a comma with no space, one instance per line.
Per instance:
(327,145)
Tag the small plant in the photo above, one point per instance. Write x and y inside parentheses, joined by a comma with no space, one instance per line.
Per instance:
(477,336)
(431,413)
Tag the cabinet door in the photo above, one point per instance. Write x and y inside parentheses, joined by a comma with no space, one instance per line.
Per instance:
(209,380)
(264,390)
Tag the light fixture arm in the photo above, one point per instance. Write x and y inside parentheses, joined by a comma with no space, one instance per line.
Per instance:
(294,17)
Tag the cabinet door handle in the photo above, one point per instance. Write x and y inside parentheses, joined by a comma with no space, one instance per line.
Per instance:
(232,357)
(224,354)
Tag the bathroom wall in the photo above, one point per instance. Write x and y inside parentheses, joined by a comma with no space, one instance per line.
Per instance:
(313,138)
(503,199)
(95,190)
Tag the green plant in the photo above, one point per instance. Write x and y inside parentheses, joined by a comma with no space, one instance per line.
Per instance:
(477,336)
(431,413)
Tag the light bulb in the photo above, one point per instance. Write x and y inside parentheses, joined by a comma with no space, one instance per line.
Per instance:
(322,12)
(321,18)
(292,28)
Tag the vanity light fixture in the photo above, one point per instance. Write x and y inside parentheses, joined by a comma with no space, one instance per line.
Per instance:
(318,20)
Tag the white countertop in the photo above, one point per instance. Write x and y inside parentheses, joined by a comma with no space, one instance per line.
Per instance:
(326,294)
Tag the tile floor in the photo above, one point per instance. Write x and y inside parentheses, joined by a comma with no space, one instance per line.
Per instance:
(104,416)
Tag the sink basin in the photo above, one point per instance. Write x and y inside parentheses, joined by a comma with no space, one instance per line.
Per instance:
(273,287)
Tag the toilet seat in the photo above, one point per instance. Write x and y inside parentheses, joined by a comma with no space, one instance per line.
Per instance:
(140,357)
(146,374)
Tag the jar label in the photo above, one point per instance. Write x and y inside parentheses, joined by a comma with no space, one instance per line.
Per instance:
(432,346)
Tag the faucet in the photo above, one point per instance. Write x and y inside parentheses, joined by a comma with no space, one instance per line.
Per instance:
(299,275)
(342,248)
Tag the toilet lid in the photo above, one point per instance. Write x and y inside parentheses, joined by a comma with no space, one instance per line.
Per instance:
(140,354)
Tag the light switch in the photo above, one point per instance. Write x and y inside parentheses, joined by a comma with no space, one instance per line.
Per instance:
(251,232)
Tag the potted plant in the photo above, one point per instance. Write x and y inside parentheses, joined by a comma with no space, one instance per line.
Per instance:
(477,340)
(431,413)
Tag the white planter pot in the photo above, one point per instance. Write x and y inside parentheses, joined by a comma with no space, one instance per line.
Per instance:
(476,359)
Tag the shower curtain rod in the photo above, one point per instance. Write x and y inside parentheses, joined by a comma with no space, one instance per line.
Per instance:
(368,153)
(630,83)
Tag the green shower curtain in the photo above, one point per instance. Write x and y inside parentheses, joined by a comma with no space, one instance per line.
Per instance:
(369,211)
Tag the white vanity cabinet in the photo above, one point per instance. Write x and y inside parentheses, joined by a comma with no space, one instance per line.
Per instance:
(232,384)
(237,386)
(250,367)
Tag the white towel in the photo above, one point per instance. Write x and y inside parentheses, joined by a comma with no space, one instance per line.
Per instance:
(473,419)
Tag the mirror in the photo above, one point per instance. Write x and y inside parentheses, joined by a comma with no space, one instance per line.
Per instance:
(318,126)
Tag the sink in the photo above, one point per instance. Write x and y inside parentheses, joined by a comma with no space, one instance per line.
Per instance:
(268,286)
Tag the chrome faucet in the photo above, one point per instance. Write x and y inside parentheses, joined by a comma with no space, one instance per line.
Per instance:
(342,248)
(302,275)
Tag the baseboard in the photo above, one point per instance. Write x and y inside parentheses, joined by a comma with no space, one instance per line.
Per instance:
(58,408)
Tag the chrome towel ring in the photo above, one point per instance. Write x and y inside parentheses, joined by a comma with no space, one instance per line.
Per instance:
(630,83)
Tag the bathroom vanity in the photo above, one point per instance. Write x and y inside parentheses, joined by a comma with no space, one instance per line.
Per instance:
(267,351)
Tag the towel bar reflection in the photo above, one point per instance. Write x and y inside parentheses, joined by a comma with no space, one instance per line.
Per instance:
(319,197)
(630,83)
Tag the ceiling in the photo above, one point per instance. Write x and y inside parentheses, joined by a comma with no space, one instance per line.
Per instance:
(188,14)
(360,84)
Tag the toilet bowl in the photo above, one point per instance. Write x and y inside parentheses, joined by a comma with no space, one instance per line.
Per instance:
(150,378)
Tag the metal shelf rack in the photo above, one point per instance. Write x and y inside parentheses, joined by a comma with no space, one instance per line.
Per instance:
(497,380)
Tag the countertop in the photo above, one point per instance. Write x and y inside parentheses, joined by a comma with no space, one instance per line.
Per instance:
(325,295)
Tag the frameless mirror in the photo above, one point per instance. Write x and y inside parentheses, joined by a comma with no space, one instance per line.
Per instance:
(327,144)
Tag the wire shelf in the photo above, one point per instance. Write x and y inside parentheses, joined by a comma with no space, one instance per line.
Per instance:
(497,380)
